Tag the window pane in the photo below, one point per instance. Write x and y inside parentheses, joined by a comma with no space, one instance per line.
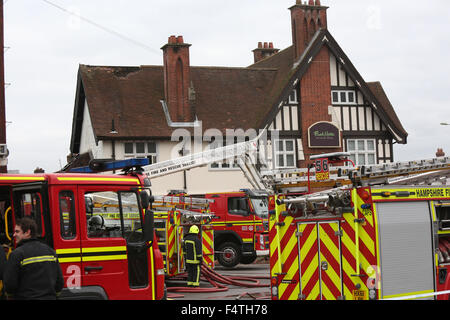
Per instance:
(353,158)
(279,145)
(350,145)
(67,215)
(343,97)
(140,147)
(361,145)
(151,147)
(280,161)
(289,145)
(370,158)
(103,215)
(238,206)
(31,206)
(335,97)
(293,96)
(370,145)
(128,147)
(131,217)
(351,97)
(290,160)
(361,159)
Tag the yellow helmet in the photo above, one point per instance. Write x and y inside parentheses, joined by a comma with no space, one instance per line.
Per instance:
(194,229)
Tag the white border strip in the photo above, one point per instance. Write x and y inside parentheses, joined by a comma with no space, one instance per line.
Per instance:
(417,296)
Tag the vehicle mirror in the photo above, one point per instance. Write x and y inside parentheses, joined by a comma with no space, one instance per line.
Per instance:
(145,199)
(148,225)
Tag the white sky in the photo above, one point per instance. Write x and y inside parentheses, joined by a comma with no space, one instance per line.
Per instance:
(404,44)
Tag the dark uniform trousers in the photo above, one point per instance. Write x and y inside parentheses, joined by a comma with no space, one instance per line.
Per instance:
(193,256)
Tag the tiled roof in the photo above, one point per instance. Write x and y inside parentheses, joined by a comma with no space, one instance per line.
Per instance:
(235,98)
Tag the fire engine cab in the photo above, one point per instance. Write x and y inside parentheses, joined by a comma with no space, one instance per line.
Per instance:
(99,226)
(240,226)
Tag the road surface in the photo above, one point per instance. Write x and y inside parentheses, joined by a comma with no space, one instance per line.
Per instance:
(258,272)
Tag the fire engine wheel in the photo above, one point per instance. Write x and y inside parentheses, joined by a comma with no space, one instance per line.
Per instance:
(248,259)
(230,254)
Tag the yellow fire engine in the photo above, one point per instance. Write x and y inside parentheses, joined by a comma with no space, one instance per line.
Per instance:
(361,242)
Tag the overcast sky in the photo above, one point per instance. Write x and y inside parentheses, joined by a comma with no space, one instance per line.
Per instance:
(404,44)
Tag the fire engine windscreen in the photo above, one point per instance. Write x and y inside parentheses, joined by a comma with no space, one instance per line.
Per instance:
(113,214)
(261,207)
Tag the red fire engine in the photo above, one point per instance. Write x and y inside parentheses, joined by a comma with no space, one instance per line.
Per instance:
(99,226)
(240,226)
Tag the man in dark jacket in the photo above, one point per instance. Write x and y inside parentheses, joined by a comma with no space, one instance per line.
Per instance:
(193,256)
(2,261)
(32,270)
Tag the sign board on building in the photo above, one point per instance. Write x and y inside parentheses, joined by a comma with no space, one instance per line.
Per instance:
(324,135)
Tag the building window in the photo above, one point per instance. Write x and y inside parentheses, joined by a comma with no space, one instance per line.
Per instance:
(285,153)
(362,152)
(293,97)
(141,150)
(343,97)
(229,164)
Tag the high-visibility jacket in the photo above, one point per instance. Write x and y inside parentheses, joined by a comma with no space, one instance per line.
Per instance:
(33,272)
(192,249)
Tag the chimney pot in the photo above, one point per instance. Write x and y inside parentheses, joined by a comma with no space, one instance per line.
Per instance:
(266,45)
(311,2)
(260,45)
(271,45)
(180,39)
(172,40)
(317,2)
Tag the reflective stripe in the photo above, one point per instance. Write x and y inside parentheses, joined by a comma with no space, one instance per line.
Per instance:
(195,252)
(98,179)
(22,178)
(31,260)
(92,254)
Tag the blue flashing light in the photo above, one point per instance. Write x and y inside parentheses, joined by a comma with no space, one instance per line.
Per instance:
(104,165)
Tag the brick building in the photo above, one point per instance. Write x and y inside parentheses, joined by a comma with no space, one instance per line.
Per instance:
(309,94)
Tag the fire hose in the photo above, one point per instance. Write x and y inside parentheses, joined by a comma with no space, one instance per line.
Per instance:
(219,282)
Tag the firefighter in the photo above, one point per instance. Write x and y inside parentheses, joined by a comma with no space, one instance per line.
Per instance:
(2,261)
(32,270)
(193,256)
(2,267)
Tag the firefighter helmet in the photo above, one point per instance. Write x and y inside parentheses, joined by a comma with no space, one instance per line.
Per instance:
(194,229)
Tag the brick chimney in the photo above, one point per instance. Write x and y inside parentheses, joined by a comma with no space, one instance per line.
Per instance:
(264,51)
(306,20)
(177,79)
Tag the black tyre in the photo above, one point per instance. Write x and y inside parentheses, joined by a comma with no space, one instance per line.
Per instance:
(230,254)
(248,259)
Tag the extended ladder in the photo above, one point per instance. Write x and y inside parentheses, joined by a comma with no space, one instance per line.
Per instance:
(419,171)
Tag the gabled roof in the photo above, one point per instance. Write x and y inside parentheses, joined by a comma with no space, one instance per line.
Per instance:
(234,98)
(372,91)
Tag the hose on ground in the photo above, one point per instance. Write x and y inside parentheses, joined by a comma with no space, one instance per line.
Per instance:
(219,282)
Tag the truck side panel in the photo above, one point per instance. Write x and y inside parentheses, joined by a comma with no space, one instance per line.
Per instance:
(406,248)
